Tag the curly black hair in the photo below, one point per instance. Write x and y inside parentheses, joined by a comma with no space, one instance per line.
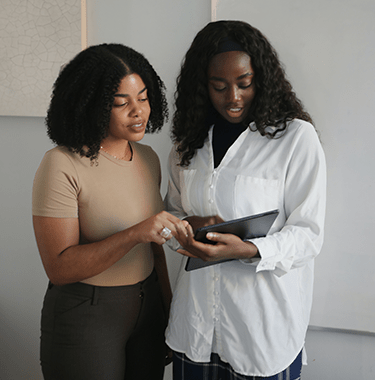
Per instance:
(83,95)
(275,103)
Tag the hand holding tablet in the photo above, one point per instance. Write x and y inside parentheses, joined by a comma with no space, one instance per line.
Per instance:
(249,227)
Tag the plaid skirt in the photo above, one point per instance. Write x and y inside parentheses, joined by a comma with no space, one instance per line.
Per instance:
(185,369)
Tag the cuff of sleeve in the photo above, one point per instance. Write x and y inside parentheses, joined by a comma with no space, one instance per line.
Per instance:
(253,261)
(268,260)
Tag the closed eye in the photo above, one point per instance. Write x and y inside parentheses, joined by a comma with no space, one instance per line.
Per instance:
(120,105)
(245,87)
(219,89)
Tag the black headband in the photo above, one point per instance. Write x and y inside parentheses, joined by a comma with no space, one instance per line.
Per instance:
(227,44)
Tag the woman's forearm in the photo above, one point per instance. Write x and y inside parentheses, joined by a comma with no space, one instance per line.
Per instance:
(66,260)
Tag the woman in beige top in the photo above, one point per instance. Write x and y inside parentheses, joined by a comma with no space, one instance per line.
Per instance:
(99,221)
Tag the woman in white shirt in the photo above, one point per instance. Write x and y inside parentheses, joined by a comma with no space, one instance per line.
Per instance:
(243,145)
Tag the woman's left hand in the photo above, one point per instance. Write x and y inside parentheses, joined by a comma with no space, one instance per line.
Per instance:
(227,246)
(168,356)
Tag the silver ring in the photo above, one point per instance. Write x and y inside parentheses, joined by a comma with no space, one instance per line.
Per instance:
(165,232)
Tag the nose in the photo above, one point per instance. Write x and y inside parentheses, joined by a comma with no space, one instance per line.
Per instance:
(233,94)
(136,110)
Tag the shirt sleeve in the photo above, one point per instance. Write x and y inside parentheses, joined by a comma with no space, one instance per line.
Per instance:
(301,237)
(55,188)
(172,201)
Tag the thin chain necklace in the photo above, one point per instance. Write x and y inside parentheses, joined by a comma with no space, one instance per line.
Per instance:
(123,158)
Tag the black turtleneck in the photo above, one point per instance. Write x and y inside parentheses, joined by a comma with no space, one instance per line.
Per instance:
(224,135)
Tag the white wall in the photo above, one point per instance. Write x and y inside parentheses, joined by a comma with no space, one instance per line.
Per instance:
(170,26)
(23,142)
(334,355)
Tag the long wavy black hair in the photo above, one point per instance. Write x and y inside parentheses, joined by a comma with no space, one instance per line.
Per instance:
(275,103)
(83,95)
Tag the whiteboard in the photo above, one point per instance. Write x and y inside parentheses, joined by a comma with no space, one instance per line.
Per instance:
(328,49)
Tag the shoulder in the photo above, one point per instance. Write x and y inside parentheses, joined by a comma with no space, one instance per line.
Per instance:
(60,160)
(60,154)
(297,132)
(146,152)
(143,149)
(302,129)
(56,185)
(299,141)
(303,140)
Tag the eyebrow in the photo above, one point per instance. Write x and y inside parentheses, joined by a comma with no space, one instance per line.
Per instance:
(126,95)
(239,78)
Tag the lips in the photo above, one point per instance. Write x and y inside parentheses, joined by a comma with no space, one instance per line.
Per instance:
(139,125)
(234,111)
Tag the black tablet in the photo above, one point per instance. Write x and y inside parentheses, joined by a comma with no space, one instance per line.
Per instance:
(249,227)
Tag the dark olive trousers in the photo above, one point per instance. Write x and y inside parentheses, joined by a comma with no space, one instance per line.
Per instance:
(103,333)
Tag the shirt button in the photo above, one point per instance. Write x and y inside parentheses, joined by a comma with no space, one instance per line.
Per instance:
(216,278)
(210,201)
(216,293)
(215,319)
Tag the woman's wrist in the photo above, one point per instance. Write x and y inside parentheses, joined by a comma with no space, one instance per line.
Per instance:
(252,251)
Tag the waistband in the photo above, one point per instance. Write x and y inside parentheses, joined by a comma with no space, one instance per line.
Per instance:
(88,290)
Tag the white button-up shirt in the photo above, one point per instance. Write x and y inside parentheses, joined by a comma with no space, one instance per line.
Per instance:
(258,309)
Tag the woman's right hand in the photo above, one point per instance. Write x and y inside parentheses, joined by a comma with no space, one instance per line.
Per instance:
(150,229)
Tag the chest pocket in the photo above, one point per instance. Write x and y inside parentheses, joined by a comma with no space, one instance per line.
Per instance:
(256,195)
(186,188)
